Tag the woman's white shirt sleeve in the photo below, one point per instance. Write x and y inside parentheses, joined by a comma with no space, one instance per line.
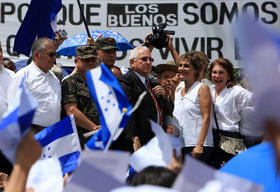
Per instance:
(234,108)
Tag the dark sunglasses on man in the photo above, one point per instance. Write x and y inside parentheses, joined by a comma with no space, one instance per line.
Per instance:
(50,54)
(145,59)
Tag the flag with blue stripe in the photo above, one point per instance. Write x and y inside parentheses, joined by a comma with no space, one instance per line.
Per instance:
(113,107)
(36,23)
(61,140)
(260,53)
(16,121)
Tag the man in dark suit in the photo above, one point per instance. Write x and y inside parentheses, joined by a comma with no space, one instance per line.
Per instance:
(137,131)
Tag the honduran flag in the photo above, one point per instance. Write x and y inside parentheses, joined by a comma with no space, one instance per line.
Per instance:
(16,121)
(113,107)
(61,140)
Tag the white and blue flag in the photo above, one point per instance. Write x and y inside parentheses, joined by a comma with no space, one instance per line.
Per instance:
(16,121)
(61,140)
(39,21)
(260,52)
(113,107)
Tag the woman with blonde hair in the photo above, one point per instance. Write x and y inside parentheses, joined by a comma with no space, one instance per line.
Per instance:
(192,108)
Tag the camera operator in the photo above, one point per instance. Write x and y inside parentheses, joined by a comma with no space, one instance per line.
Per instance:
(171,83)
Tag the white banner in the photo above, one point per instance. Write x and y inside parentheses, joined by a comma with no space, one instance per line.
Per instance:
(199,24)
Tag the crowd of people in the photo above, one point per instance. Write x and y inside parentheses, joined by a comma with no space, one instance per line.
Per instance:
(211,117)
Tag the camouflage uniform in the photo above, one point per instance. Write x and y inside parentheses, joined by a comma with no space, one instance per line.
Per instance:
(75,90)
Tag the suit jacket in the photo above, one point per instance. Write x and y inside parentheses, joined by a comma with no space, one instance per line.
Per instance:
(138,124)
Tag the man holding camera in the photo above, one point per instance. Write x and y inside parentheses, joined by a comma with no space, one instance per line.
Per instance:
(159,39)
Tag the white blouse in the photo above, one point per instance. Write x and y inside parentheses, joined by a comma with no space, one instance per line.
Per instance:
(234,108)
(187,112)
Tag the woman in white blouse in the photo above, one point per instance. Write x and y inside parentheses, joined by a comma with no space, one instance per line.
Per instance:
(192,108)
(232,104)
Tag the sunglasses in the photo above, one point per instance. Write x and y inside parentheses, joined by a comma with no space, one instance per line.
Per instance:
(145,59)
(50,54)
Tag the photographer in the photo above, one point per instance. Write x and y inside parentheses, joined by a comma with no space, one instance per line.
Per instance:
(168,77)
(172,82)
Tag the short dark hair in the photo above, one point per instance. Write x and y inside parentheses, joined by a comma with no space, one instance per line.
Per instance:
(153,175)
(195,60)
(228,66)
(40,44)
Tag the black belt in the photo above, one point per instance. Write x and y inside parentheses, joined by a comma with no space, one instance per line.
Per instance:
(236,135)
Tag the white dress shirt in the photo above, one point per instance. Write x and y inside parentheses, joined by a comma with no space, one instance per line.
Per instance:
(46,90)
(6,77)
(233,108)
(187,112)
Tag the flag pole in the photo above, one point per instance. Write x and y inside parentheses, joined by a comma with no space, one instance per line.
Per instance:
(83,17)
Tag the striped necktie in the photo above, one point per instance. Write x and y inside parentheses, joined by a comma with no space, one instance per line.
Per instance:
(159,110)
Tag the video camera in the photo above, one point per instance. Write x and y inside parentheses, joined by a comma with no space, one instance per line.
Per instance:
(159,38)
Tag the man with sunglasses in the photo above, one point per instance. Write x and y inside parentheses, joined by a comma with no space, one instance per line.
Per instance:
(42,84)
(137,131)
(76,98)
(106,51)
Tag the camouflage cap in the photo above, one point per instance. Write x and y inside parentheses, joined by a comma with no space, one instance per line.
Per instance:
(105,43)
(86,52)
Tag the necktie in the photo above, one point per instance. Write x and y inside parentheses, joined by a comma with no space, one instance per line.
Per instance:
(160,112)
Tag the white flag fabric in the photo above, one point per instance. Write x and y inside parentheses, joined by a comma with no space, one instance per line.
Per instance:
(157,152)
(144,188)
(260,52)
(99,171)
(198,177)
(45,175)
(16,121)
(61,140)
(148,155)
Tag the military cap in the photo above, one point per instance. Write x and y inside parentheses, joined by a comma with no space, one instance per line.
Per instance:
(105,43)
(86,52)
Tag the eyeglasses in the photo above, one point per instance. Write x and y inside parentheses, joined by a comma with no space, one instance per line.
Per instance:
(145,59)
(50,54)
